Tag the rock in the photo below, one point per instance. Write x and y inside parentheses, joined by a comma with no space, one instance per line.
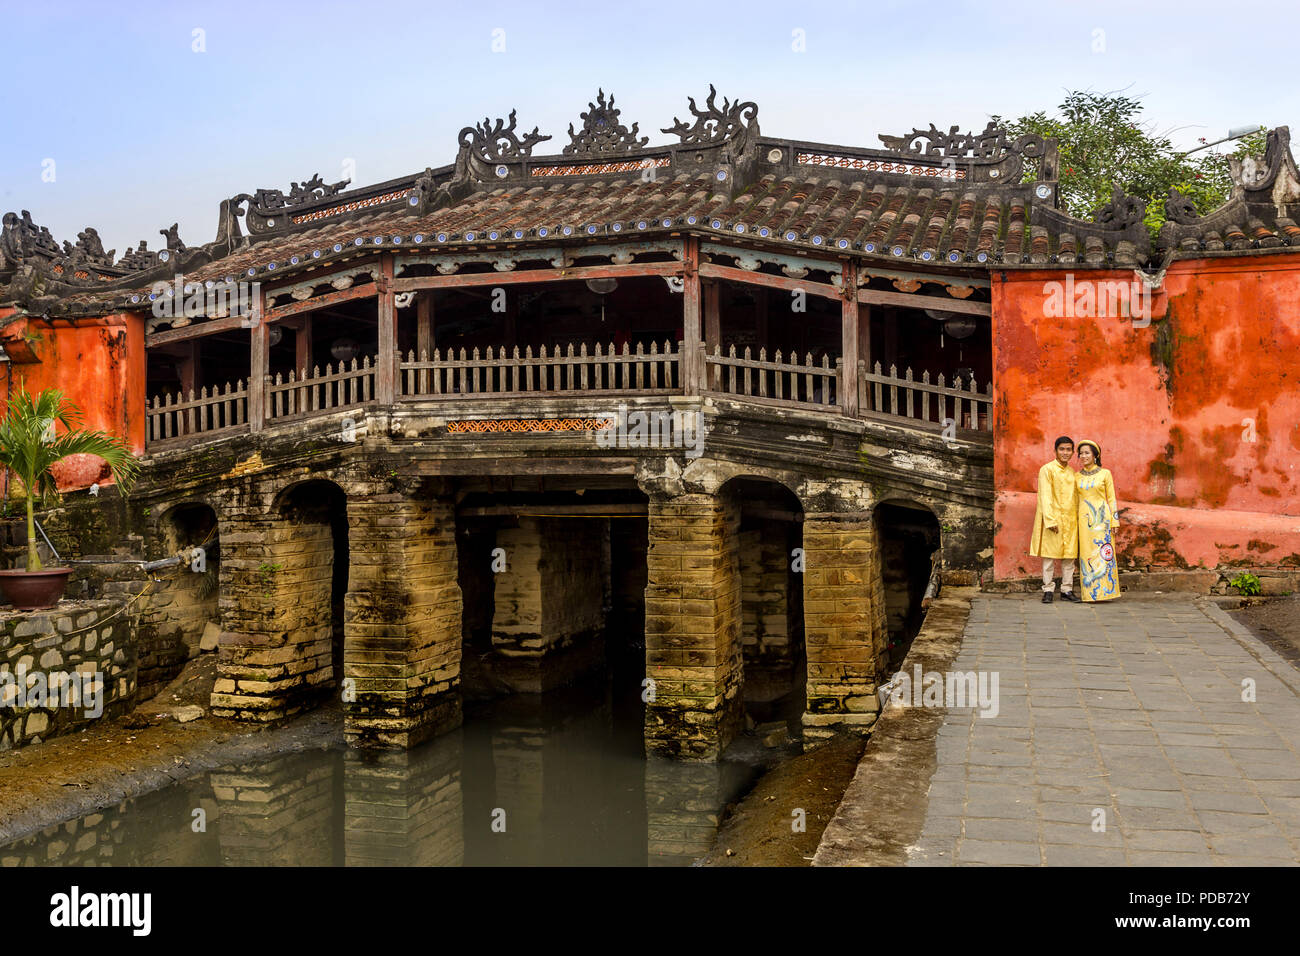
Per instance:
(208,642)
(187,713)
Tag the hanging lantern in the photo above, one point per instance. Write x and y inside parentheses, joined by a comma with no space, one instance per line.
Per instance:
(602,288)
(345,349)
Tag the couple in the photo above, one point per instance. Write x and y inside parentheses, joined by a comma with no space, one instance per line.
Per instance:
(1075,517)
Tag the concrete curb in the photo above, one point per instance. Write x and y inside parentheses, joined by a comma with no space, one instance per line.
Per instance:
(883,810)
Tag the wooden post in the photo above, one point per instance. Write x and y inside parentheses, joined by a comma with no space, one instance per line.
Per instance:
(693,364)
(849,331)
(424,341)
(386,363)
(712,321)
(302,346)
(258,367)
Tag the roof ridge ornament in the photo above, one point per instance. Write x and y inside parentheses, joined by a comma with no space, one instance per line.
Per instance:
(714,125)
(492,144)
(992,143)
(602,133)
(1121,212)
(1179,208)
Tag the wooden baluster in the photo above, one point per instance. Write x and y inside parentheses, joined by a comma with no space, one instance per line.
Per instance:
(907,376)
(640,368)
(943,401)
(762,371)
(654,366)
(776,375)
(808,379)
(831,377)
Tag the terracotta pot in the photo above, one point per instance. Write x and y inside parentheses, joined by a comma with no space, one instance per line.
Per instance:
(34,590)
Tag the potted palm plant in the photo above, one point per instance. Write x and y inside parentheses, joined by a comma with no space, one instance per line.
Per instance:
(30,447)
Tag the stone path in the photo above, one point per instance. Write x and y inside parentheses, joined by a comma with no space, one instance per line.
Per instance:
(1131,709)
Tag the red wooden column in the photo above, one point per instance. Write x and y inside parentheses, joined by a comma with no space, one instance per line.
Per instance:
(849,339)
(712,324)
(692,360)
(424,341)
(258,365)
(302,346)
(388,360)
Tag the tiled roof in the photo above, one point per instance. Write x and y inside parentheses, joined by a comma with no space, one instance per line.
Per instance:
(931,197)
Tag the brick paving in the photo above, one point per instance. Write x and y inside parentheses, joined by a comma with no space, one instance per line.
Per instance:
(1133,708)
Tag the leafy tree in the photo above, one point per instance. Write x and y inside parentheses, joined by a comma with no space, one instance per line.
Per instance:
(1104,142)
(30,448)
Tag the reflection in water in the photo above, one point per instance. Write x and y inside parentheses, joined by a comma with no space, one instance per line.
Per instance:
(559,778)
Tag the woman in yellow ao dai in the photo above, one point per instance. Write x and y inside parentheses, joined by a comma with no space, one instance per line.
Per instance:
(1098,517)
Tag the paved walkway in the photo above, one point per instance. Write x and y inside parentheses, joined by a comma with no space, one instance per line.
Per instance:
(1131,709)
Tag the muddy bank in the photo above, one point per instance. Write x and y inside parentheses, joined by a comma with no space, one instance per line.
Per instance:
(68,777)
(759,831)
(1275,621)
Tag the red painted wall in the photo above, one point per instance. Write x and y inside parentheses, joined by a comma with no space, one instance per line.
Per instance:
(1197,413)
(99,364)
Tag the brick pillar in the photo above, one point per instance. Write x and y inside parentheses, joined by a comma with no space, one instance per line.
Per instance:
(692,617)
(549,619)
(844,622)
(401,621)
(276,633)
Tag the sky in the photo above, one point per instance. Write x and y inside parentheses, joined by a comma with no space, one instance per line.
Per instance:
(131,116)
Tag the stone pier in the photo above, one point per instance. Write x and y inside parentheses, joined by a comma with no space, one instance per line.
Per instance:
(844,621)
(276,630)
(402,621)
(692,617)
(550,601)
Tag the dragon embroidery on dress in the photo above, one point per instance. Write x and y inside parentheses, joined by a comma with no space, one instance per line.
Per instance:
(1099,574)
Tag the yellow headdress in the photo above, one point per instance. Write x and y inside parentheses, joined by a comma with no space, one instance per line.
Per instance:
(1096,449)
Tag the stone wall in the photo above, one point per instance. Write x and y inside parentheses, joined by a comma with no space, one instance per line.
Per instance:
(76,637)
(693,653)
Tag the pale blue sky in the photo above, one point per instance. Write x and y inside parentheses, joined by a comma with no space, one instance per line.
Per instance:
(143,131)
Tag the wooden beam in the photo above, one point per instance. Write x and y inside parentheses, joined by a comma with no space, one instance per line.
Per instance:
(197,330)
(693,364)
(557,511)
(363,291)
(537,275)
(525,463)
(908,300)
(849,331)
(824,289)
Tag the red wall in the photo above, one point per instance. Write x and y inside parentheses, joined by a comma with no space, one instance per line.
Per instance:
(1168,404)
(99,365)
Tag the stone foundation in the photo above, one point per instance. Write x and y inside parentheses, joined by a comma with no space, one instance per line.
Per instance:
(844,622)
(402,622)
(43,648)
(692,622)
(550,602)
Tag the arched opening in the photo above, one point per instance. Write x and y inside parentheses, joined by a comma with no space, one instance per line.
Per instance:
(183,616)
(770,546)
(910,555)
(311,564)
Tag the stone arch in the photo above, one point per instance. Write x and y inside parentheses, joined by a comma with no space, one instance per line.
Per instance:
(282,602)
(910,538)
(182,613)
(769,549)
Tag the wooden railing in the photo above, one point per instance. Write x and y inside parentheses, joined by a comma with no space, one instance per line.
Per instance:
(223,410)
(774,382)
(500,375)
(782,381)
(306,393)
(904,397)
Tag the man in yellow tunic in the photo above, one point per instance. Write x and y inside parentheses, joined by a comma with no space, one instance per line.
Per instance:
(1056,528)
(1098,518)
